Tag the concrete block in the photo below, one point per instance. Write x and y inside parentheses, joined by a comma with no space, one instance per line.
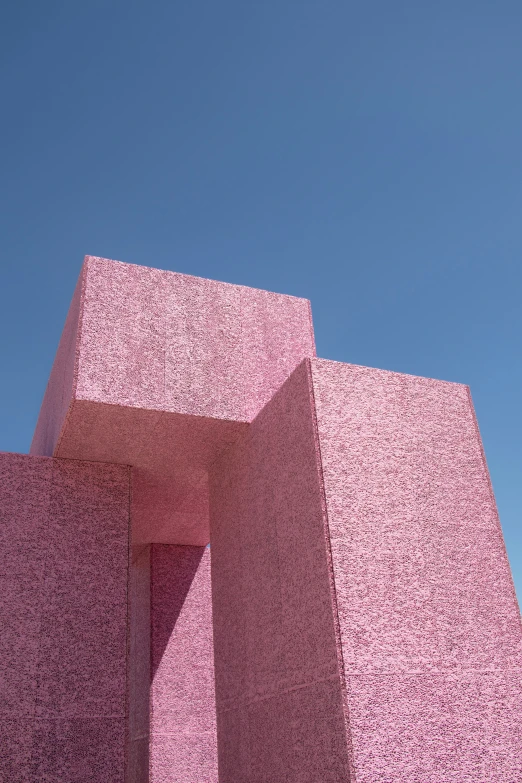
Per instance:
(150,358)
(16,748)
(356,548)
(25,488)
(20,620)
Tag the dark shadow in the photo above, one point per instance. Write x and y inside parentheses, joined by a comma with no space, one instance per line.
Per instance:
(173,569)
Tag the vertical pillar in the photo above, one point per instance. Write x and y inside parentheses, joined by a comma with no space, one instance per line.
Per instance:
(183,742)
(279,680)
(138,733)
(172,702)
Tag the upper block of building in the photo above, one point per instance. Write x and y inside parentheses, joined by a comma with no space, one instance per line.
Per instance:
(160,371)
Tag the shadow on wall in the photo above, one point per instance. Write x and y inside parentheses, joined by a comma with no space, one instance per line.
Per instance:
(173,570)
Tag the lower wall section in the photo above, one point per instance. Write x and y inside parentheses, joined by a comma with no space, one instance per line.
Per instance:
(439,727)
(172,726)
(139,665)
(183,712)
(63,615)
(362,610)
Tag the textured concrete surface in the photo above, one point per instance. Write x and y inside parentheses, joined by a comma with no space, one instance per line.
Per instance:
(63,562)
(278,675)
(166,341)
(170,454)
(172,713)
(161,371)
(365,623)
(429,623)
(421,652)
(183,744)
(139,667)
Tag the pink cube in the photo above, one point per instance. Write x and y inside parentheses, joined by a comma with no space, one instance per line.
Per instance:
(162,371)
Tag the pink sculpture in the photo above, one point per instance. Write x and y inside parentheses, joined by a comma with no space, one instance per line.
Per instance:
(354,620)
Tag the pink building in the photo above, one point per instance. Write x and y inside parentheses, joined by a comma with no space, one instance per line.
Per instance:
(354,620)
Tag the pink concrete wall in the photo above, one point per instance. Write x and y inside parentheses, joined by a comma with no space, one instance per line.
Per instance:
(63,550)
(170,454)
(166,341)
(278,676)
(163,371)
(144,338)
(422,649)
(429,622)
(365,622)
(183,744)
(139,666)
(172,712)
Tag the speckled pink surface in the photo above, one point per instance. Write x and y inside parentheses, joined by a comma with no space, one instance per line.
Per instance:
(365,626)
(183,743)
(64,530)
(429,623)
(172,714)
(161,371)
(419,617)
(139,667)
(278,676)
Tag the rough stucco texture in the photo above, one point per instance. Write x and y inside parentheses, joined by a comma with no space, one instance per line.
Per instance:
(429,623)
(365,623)
(63,614)
(183,744)
(172,342)
(161,371)
(278,679)
(139,668)
(404,616)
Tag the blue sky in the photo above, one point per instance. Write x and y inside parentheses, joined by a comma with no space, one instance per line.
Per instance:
(365,155)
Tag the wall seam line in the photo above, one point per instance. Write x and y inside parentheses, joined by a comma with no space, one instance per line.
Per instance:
(331,575)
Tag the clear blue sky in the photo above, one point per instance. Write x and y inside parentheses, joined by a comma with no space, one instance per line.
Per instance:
(365,155)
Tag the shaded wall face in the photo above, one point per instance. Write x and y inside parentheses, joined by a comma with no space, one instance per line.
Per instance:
(183,744)
(278,684)
(172,711)
(63,575)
